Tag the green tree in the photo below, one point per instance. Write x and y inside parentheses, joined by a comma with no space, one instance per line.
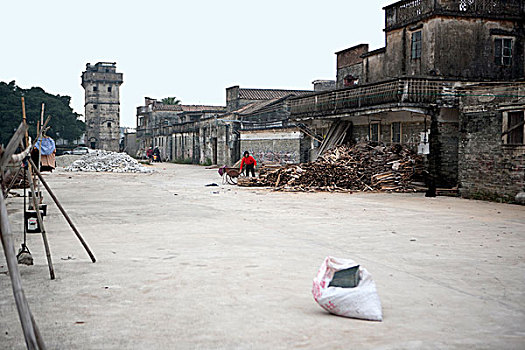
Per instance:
(170,101)
(64,122)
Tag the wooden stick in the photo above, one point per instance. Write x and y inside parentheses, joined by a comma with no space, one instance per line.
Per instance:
(36,207)
(21,302)
(24,119)
(62,210)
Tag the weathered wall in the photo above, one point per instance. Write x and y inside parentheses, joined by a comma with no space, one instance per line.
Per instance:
(487,168)
(350,63)
(273,146)
(465,48)
(374,67)
(412,124)
(131,144)
(453,47)
(444,135)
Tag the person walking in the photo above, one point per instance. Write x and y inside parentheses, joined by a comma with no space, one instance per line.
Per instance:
(149,154)
(250,163)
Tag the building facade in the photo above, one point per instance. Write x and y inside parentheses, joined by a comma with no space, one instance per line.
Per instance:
(412,91)
(254,120)
(101,84)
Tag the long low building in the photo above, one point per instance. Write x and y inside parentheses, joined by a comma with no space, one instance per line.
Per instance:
(253,120)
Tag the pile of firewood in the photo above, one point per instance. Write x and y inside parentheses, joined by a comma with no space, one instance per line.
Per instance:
(360,167)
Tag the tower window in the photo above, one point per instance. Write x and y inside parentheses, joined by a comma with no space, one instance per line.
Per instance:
(95,106)
(109,124)
(503,52)
(109,88)
(416,44)
(95,88)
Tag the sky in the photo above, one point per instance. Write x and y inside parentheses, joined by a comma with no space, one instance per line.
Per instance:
(192,50)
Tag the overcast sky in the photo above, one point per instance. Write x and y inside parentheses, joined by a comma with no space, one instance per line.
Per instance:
(189,49)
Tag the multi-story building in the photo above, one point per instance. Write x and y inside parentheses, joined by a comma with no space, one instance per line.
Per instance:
(420,90)
(101,83)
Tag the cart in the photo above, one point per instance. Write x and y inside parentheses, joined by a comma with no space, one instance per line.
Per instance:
(229,175)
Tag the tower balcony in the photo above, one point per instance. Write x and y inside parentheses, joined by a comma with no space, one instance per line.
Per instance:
(405,12)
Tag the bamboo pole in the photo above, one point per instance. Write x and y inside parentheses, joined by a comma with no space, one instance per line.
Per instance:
(26,319)
(36,207)
(62,210)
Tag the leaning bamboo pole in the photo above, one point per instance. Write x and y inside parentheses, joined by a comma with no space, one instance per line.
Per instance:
(29,327)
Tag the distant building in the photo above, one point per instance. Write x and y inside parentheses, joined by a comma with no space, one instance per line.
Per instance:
(101,83)
(156,122)
(254,120)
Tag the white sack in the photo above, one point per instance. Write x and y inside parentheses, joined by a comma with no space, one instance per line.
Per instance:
(359,302)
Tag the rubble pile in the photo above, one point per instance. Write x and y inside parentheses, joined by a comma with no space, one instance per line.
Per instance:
(106,161)
(65,160)
(360,167)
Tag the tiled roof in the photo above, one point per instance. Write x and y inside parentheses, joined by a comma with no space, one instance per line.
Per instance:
(187,108)
(200,108)
(163,107)
(269,94)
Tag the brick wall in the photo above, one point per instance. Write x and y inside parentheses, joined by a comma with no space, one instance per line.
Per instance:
(351,56)
(273,146)
(487,168)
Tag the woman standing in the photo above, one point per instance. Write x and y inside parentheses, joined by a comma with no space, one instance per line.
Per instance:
(250,163)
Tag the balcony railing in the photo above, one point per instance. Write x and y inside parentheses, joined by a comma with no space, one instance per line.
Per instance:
(404,12)
(406,90)
(144,109)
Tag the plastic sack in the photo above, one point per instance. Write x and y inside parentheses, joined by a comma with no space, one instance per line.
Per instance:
(360,301)
(47,147)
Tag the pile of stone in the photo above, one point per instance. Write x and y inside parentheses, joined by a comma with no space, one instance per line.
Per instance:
(105,161)
(360,167)
(66,160)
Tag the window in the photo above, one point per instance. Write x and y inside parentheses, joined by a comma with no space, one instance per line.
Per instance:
(95,88)
(374,132)
(109,124)
(503,52)
(396,132)
(109,88)
(416,45)
(93,144)
(95,106)
(513,127)
(349,80)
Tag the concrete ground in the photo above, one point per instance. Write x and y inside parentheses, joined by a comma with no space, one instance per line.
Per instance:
(184,266)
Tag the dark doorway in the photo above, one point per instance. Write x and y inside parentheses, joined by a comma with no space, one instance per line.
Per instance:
(214,149)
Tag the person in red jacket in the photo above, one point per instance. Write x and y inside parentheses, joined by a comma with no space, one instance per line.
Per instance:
(250,163)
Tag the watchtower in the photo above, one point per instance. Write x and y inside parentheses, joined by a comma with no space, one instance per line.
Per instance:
(101,84)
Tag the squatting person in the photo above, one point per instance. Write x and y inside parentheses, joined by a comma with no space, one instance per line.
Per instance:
(250,163)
